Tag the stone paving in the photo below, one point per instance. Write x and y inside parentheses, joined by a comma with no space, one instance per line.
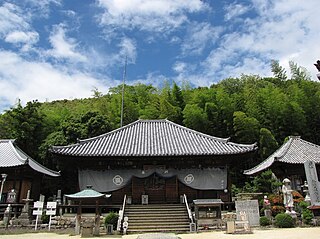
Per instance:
(158,236)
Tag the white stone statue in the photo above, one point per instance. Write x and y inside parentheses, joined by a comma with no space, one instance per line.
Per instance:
(287,195)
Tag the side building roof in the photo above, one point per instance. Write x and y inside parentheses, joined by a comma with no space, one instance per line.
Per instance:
(11,156)
(153,138)
(294,151)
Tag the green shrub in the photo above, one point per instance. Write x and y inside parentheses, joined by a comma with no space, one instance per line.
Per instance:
(303,205)
(284,220)
(45,218)
(306,213)
(264,221)
(111,218)
(307,216)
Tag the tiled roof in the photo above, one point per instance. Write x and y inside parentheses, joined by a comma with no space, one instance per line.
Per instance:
(11,156)
(294,151)
(153,138)
(86,194)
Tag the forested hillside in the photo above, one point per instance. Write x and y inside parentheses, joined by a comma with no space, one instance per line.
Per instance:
(248,109)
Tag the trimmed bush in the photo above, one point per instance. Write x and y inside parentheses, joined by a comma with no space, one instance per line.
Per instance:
(306,213)
(111,218)
(264,221)
(277,209)
(284,220)
(307,216)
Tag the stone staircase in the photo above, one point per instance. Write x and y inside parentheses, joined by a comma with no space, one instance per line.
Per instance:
(157,218)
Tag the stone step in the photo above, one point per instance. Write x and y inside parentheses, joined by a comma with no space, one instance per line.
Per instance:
(157,218)
(141,219)
(159,221)
(176,219)
(156,205)
(158,230)
(156,213)
(155,208)
(183,226)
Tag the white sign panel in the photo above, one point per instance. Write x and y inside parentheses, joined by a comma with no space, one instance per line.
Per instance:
(37,208)
(51,208)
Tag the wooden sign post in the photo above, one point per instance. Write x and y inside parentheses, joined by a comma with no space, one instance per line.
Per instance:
(37,210)
(51,210)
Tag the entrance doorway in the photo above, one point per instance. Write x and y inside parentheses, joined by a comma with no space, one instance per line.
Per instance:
(158,189)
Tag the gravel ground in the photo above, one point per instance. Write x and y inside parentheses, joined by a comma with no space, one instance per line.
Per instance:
(290,233)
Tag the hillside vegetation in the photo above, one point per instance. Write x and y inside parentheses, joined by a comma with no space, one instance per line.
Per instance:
(247,109)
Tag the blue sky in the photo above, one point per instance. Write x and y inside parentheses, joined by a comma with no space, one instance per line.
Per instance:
(63,49)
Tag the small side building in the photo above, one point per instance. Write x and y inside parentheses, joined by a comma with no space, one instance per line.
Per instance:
(20,172)
(288,161)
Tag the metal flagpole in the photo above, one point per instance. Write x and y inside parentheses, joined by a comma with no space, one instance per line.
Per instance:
(123,81)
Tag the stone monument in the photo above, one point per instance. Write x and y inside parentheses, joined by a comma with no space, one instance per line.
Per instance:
(251,209)
(313,183)
(125,225)
(306,192)
(12,196)
(24,218)
(6,216)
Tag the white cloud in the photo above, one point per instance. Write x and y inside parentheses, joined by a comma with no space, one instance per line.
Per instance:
(12,18)
(15,27)
(148,15)
(22,37)
(199,36)
(281,31)
(235,10)
(179,67)
(41,8)
(153,78)
(28,80)
(128,49)
(64,47)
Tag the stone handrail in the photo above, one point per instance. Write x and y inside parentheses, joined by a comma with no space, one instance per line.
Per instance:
(121,213)
(188,209)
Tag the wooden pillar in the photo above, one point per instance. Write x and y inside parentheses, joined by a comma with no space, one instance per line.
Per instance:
(96,229)
(78,219)
(177,189)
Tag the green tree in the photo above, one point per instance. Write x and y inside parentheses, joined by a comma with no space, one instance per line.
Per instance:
(195,118)
(27,127)
(298,72)
(246,128)
(266,182)
(177,101)
(267,143)
(277,70)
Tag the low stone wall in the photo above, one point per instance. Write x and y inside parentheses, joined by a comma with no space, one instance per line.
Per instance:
(63,222)
(59,222)
(70,222)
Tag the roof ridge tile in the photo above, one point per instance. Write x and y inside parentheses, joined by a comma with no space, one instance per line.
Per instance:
(159,137)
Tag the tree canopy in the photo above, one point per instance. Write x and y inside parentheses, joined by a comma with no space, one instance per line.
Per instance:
(247,109)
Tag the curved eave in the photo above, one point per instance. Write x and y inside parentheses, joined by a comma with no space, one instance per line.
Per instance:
(87,194)
(294,151)
(41,169)
(24,159)
(260,167)
(83,197)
